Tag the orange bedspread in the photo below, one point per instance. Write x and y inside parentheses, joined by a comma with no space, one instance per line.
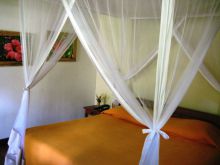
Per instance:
(106,140)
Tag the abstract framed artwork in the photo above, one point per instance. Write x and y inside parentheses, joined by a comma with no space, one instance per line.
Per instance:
(70,53)
(11,54)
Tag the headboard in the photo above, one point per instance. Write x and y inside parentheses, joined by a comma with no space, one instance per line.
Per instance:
(193,114)
(188,113)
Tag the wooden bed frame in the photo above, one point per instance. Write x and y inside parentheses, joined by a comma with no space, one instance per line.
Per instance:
(188,113)
(193,114)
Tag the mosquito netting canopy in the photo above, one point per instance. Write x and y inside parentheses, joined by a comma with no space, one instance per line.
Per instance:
(41,23)
(128,40)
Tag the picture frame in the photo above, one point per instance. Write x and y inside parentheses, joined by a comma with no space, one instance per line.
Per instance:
(10,49)
(70,53)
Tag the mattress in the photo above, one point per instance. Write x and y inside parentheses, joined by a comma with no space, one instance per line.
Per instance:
(108,140)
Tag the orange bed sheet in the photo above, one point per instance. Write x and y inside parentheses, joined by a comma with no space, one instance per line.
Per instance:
(106,140)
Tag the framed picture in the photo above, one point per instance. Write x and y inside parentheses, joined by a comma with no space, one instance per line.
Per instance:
(70,53)
(10,49)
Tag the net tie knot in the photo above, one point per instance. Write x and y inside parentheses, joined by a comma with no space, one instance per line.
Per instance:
(151,131)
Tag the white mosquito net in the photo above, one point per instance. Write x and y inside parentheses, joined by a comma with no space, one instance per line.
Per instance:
(41,23)
(128,40)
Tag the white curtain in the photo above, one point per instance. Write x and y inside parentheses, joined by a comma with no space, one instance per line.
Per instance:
(41,23)
(121,36)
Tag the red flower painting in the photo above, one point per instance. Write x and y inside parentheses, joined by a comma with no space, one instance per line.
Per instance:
(13,50)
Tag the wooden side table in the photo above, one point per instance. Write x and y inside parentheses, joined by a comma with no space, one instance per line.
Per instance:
(91,111)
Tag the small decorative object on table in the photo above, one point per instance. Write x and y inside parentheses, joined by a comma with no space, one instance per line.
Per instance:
(100,99)
(115,103)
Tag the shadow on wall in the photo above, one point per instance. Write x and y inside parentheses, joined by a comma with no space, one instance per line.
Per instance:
(219,108)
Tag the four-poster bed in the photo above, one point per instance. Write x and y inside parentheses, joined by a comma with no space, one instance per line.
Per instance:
(114,137)
(122,37)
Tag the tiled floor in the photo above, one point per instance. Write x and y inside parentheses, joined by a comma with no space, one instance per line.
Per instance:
(3,150)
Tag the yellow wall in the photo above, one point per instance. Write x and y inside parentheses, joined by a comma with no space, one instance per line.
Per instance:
(200,96)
